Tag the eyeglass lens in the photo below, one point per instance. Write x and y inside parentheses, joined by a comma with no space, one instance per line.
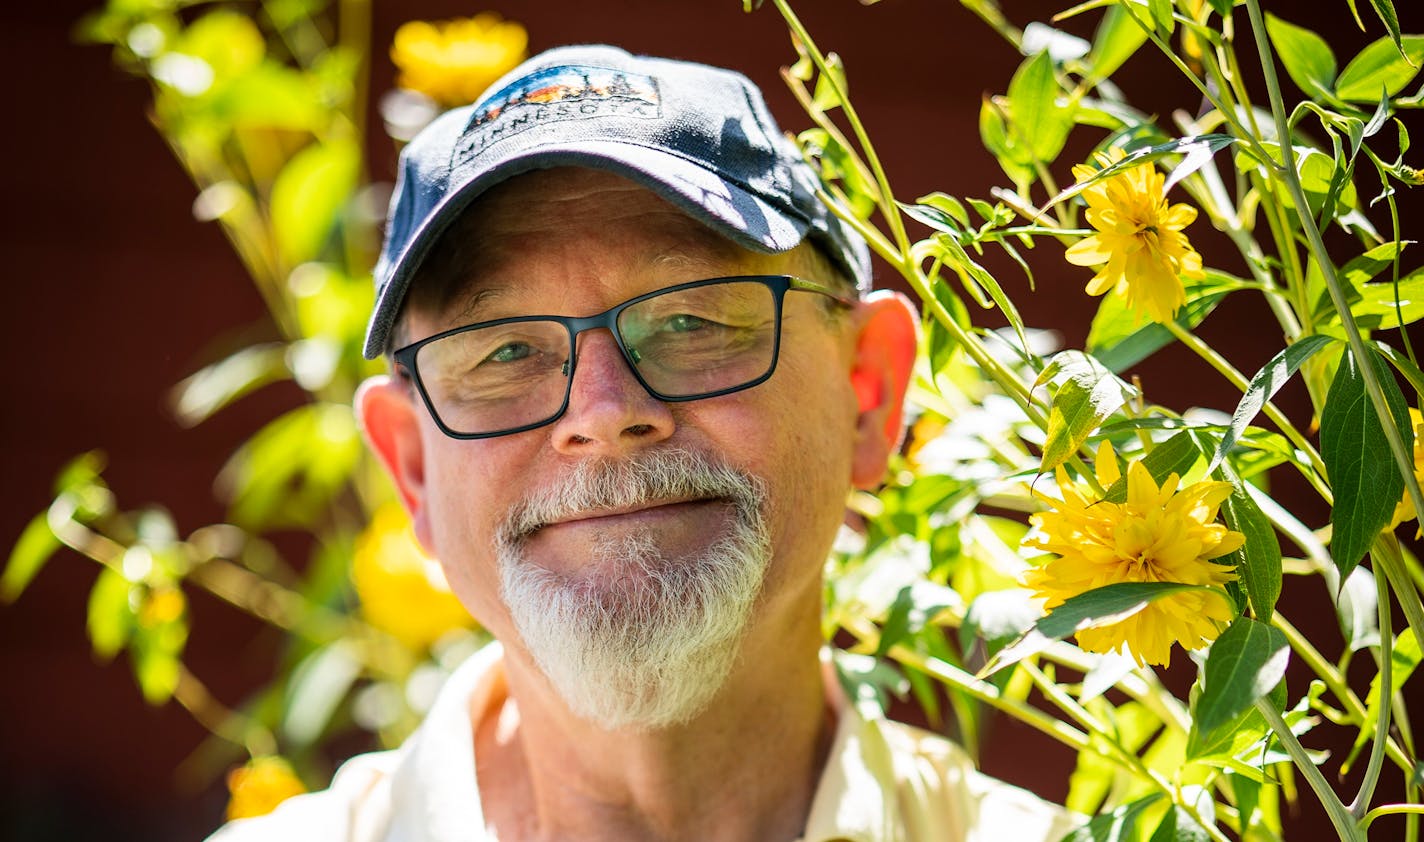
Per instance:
(682,344)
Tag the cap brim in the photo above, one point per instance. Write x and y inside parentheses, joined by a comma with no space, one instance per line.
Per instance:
(731,210)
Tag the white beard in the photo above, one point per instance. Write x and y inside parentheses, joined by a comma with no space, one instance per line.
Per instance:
(650,649)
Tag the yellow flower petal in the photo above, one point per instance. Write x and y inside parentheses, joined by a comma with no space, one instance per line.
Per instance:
(454,61)
(1159,534)
(258,787)
(1138,237)
(402,590)
(1089,251)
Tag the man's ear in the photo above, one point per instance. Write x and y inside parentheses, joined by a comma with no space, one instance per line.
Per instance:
(386,411)
(884,360)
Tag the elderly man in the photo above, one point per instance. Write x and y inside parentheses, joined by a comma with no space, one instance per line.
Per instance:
(636,370)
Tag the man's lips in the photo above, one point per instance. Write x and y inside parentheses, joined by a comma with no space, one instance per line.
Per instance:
(649,510)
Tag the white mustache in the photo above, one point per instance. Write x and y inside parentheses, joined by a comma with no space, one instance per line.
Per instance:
(649,478)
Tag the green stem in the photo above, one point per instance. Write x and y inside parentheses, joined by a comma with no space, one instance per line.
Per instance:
(887,201)
(1227,370)
(1389,560)
(1403,458)
(869,634)
(1068,705)
(1391,810)
(1386,697)
(1335,683)
(1256,263)
(1340,817)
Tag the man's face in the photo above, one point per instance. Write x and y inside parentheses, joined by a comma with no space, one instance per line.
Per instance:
(575,242)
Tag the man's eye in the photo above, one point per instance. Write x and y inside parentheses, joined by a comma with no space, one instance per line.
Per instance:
(685,323)
(510,352)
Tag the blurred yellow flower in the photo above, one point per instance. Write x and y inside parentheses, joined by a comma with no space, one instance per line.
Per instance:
(165,604)
(1405,510)
(402,590)
(258,787)
(452,62)
(1161,534)
(1139,239)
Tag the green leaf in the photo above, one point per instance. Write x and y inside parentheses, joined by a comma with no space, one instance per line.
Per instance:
(1120,338)
(1244,664)
(825,96)
(1390,19)
(1177,455)
(1272,376)
(915,606)
(1382,305)
(1119,825)
(1354,276)
(1179,826)
(35,547)
(1258,561)
(1381,66)
(1222,7)
(1114,42)
(1363,476)
(155,653)
(110,619)
(1087,394)
(227,40)
(1307,58)
(213,387)
(1091,609)
(1195,149)
(1162,16)
(868,682)
(994,133)
(1234,741)
(291,468)
(317,686)
(1318,173)
(978,281)
(947,204)
(1357,610)
(997,617)
(308,196)
(1402,364)
(1040,123)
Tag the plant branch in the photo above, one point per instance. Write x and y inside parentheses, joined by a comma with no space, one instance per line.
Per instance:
(1386,696)
(1286,171)
(1340,817)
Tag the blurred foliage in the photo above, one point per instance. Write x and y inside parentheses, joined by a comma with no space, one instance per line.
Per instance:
(1035,475)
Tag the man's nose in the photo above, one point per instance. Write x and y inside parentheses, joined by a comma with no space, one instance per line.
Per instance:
(609,411)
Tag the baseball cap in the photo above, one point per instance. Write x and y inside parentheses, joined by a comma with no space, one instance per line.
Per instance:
(699,136)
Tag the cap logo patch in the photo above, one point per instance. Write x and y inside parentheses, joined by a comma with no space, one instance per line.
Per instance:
(567,92)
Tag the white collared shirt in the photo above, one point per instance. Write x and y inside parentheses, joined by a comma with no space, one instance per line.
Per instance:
(883,782)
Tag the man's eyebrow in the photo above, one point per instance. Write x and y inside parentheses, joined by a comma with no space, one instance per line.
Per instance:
(702,255)
(470,303)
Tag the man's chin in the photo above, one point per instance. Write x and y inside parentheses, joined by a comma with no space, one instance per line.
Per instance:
(637,641)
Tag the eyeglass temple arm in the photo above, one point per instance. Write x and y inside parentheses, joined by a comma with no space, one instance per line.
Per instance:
(812,286)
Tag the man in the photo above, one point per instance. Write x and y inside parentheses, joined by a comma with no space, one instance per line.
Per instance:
(636,370)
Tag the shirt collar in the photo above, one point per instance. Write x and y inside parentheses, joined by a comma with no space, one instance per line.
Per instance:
(438,796)
(853,799)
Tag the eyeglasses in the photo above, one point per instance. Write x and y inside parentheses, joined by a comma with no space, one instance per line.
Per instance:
(683,343)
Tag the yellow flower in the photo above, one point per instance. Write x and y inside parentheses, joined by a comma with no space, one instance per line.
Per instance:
(260,786)
(165,604)
(402,590)
(1405,510)
(1161,534)
(452,62)
(1139,241)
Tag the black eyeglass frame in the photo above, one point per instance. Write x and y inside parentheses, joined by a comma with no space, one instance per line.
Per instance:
(778,285)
